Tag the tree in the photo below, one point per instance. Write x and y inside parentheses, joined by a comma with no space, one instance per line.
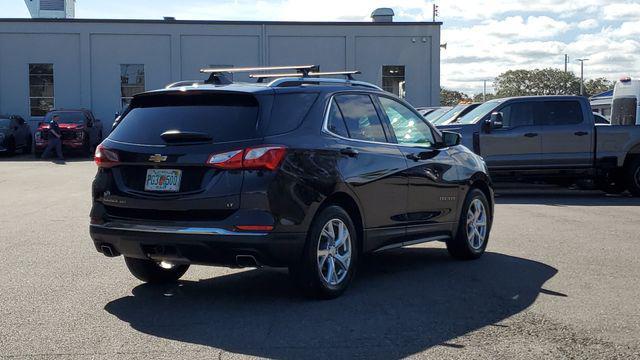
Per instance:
(536,82)
(452,97)
(488,96)
(596,86)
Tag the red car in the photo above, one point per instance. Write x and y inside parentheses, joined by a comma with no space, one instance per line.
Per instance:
(81,131)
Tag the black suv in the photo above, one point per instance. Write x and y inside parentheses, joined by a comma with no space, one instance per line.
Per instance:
(302,172)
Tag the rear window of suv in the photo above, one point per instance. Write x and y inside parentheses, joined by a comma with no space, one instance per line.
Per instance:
(224,117)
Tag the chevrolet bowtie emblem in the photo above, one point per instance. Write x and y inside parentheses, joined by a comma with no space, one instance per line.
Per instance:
(157,158)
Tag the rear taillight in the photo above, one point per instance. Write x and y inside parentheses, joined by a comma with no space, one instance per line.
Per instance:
(227,160)
(266,157)
(106,158)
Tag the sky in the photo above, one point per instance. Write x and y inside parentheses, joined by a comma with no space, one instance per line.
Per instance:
(484,37)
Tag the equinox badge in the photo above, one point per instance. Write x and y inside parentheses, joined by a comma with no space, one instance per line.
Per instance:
(157,158)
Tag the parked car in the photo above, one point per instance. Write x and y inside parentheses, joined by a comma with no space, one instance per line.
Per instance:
(283,174)
(455,113)
(552,138)
(81,131)
(426,110)
(436,114)
(14,135)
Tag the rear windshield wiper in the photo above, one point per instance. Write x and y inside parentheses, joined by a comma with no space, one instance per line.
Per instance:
(174,136)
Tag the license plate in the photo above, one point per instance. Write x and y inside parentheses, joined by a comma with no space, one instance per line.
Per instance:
(163,180)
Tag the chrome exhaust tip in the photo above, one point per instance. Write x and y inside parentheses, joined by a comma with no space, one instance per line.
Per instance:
(108,250)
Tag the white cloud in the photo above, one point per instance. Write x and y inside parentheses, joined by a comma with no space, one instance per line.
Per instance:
(622,11)
(587,24)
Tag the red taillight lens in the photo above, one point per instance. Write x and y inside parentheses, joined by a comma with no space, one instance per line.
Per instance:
(263,157)
(266,157)
(106,158)
(229,160)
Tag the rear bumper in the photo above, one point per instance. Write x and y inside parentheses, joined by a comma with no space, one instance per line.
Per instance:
(207,246)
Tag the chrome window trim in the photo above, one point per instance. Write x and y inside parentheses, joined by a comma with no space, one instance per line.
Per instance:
(174,229)
(325,129)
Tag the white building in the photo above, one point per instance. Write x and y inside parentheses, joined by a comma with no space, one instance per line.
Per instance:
(50,63)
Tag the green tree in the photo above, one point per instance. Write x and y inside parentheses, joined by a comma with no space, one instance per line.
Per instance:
(488,96)
(452,97)
(536,82)
(596,86)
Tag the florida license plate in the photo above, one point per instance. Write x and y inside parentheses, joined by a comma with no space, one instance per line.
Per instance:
(163,180)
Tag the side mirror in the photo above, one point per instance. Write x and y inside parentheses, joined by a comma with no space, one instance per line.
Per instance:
(116,115)
(451,138)
(495,122)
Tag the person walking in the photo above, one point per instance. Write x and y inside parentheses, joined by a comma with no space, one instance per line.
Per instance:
(55,139)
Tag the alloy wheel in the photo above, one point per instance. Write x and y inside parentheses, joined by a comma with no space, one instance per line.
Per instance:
(476,224)
(334,252)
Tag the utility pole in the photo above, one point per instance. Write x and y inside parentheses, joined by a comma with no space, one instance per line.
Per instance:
(435,12)
(484,90)
(582,75)
(566,61)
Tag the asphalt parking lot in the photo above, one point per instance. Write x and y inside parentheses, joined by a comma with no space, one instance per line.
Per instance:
(561,279)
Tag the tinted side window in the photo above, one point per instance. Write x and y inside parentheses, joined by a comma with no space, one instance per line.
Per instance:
(408,127)
(361,117)
(288,111)
(335,122)
(561,113)
(518,114)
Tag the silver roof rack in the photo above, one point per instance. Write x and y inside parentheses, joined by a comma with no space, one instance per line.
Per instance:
(217,75)
(293,81)
(301,74)
(262,68)
(349,74)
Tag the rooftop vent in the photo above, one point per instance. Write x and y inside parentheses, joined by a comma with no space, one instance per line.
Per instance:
(384,15)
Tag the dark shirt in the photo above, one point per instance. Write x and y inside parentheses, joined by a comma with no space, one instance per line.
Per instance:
(53,127)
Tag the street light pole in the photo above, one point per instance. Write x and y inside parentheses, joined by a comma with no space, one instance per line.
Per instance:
(582,75)
(484,90)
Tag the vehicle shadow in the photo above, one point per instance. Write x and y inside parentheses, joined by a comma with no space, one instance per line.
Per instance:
(403,302)
(566,198)
(32,158)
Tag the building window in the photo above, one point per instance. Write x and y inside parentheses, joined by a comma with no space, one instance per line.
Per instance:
(131,82)
(393,79)
(41,98)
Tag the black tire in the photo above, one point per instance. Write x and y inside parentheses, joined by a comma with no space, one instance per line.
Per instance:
(11,146)
(614,187)
(633,177)
(28,147)
(308,274)
(461,246)
(151,272)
